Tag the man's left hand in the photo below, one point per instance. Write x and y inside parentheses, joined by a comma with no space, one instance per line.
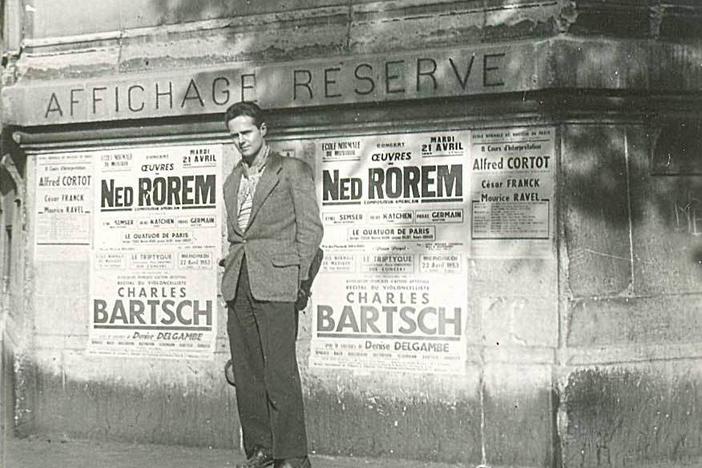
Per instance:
(302,298)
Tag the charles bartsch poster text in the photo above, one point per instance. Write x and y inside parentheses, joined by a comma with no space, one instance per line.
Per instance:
(403,213)
(156,237)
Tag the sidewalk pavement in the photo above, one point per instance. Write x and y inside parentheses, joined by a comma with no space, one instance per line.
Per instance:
(36,452)
(42,453)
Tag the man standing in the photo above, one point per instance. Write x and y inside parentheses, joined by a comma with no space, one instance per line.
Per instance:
(274,231)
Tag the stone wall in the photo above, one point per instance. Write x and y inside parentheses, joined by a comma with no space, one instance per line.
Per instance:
(586,355)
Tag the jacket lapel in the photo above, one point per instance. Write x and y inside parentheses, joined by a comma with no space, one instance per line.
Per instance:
(269,179)
(231,192)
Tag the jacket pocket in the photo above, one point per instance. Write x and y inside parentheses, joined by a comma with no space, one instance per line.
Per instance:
(286,259)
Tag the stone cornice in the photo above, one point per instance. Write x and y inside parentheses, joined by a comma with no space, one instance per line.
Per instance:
(629,66)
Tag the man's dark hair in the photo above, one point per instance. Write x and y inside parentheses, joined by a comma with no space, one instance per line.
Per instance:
(247,108)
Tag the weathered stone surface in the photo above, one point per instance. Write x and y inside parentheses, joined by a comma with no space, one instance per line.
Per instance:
(297,35)
(658,319)
(630,251)
(49,18)
(73,398)
(148,35)
(518,422)
(596,213)
(620,18)
(519,321)
(680,19)
(531,277)
(383,26)
(63,278)
(632,416)
(385,426)
(512,302)
(398,417)
(666,198)
(61,304)
(605,64)
(673,66)
(419,416)
(7,393)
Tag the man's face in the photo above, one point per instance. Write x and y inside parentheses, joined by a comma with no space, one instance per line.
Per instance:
(247,137)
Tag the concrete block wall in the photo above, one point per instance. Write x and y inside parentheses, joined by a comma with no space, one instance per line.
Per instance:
(399,416)
(64,394)
(514,301)
(500,411)
(626,247)
(152,35)
(633,415)
(633,291)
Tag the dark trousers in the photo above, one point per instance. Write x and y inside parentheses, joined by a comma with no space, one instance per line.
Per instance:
(268,392)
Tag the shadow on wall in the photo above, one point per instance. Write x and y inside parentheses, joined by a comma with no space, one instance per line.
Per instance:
(676,159)
(66,408)
(182,11)
(626,417)
(614,177)
(304,29)
(595,173)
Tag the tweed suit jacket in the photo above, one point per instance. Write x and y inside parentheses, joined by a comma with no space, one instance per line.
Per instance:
(283,234)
